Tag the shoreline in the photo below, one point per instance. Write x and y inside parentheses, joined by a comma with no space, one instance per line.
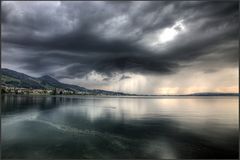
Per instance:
(125,96)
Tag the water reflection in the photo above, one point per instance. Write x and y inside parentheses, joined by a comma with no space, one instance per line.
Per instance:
(92,127)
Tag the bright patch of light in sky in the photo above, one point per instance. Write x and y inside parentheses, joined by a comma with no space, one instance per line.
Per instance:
(169,34)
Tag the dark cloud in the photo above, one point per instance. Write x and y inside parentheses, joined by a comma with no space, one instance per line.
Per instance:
(106,79)
(125,77)
(210,71)
(71,39)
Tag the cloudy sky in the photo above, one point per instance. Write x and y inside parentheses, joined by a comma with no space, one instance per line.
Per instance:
(135,47)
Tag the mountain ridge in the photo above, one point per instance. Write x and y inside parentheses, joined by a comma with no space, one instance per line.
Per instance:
(13,78)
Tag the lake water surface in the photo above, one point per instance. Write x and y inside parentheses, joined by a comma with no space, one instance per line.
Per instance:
(117,127)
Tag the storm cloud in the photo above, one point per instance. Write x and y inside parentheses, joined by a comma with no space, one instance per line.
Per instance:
(73,39)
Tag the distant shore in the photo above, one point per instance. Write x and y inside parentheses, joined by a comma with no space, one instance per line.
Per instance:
(101,93)
(137,96)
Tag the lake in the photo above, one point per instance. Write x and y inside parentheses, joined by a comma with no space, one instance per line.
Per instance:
(119,127)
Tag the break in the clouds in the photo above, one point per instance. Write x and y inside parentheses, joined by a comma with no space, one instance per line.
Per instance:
(144,47)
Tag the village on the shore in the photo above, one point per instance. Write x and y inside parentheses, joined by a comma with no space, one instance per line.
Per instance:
(32,91)
(56,91)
